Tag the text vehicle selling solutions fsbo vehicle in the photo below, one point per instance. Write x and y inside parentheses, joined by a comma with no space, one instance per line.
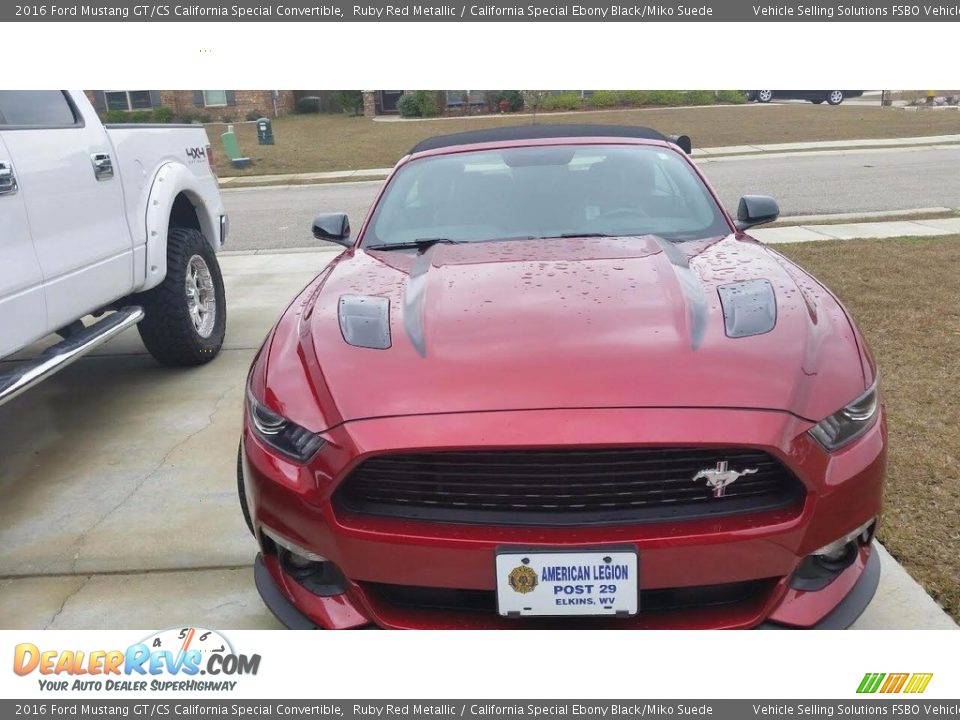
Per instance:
(551,383)
(120,221)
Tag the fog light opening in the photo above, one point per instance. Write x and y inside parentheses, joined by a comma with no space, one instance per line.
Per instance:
(822,566)
(322,578)
(297,563)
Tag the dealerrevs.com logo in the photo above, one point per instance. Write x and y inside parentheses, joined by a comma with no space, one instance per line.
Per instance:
(179,659)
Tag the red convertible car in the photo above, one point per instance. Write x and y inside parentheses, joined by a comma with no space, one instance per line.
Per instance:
(552,383)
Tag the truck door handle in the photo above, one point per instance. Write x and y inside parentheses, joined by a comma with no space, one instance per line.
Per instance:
(8,181)
(102,166)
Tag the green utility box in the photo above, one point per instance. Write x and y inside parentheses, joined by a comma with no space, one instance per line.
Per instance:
(265,131)
(232,149)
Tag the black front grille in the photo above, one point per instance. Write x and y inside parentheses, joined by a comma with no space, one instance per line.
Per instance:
(485,601)
(564,487)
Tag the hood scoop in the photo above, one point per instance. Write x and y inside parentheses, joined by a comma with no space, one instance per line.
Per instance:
(365,321)
(749,308)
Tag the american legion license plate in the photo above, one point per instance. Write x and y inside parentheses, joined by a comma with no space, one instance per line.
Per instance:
(548,583)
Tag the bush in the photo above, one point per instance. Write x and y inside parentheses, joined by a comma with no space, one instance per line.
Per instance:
(115,116)
(633,98)
(253,116)
(533,100)
(563,101)
(140,116)
(163,115)
(227,119)
(513,99)
(732,97)
(308,104)
(666,97)
(205,118)
(419,103)
(603,99)
(349,101)
(700,97)
(409,106)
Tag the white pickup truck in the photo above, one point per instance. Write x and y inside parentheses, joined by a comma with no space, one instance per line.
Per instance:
(118,222)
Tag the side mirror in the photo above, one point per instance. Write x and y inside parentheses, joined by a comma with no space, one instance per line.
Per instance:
(683,142)
(334,227)
(756,210)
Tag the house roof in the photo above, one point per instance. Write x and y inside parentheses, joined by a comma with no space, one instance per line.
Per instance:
(536,132)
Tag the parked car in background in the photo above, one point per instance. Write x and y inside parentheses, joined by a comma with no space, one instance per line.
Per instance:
(832,97)
(121,222)
(552,383)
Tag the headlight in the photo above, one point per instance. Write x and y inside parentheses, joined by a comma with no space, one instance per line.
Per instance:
(282,435)
(848,423)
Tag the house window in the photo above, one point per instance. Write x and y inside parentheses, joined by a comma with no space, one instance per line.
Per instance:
(215,98)
(455,97)
(128,99)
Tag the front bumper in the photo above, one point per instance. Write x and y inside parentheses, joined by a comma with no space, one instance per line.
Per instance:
(843,491)
(843,615)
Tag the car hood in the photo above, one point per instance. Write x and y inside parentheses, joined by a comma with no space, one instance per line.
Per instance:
(575,323)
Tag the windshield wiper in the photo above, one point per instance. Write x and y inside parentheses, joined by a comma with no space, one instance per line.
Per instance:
(575,235)
(420,244)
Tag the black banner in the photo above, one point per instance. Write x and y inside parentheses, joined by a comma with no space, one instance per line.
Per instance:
(918,708)
(488,11)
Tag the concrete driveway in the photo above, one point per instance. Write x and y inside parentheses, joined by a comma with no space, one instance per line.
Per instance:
(119,498)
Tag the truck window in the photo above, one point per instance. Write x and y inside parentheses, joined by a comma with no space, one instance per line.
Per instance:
(36,108)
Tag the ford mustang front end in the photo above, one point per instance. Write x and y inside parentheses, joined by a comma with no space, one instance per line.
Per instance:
(551,383)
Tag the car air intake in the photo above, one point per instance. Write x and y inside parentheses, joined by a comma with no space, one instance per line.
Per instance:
(567,486)
(696,597)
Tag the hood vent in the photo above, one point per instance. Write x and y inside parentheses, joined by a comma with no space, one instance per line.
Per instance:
(365,321)
(749,308)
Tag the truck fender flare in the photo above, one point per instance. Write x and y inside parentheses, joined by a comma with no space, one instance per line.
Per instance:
(172,179)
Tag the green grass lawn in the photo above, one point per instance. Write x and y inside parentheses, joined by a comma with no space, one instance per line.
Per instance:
(317,143)
(904,297)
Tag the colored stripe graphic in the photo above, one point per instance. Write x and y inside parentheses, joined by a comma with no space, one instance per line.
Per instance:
(870,682)
(894,683)
(918,682)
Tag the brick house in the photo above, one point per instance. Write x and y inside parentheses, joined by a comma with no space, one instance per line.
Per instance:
(384,102)
(235,104)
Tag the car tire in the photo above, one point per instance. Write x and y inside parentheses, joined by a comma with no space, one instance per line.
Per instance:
(242,492)
(818,101)
(764,96)
(835,97)
(185,316)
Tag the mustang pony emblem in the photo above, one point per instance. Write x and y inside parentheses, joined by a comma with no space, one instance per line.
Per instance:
(718,479)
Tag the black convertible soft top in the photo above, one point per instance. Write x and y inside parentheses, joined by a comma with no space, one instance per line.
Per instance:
(536,132)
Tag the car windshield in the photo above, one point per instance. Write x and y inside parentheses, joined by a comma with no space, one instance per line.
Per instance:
(545,192)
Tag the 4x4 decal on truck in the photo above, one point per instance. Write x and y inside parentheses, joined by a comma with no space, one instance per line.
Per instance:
(196,154)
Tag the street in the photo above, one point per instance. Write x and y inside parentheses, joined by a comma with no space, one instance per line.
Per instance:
(803,183)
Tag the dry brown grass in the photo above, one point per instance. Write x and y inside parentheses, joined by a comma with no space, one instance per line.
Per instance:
(905,296)
(318,143)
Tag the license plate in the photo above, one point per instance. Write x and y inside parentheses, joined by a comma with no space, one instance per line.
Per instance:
(561,583)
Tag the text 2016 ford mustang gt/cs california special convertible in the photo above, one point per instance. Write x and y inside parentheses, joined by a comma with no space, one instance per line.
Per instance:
(551,383)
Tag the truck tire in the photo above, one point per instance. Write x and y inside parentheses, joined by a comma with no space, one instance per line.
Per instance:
(185,315)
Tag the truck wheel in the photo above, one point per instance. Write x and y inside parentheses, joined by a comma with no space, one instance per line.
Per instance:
(242,493)
(186,315)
